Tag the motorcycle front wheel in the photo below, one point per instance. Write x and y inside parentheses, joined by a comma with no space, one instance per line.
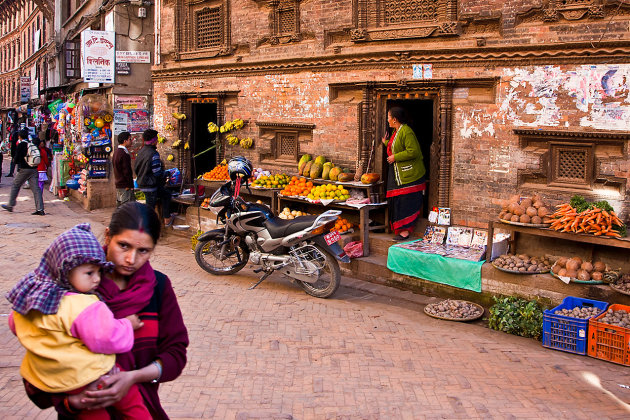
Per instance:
(329,277)
(218,258)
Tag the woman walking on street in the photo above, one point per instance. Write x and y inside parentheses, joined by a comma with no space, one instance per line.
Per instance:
(159,350)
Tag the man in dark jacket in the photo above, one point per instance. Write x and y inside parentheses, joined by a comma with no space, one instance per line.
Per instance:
(25,173)
(150,175)
(122,170)
(13,141)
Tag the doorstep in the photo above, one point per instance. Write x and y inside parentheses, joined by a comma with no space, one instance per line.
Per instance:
(543,287)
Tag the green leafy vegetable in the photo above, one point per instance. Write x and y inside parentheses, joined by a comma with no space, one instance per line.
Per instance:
(517,316)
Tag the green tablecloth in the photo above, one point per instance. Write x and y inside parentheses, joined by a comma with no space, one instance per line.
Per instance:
(452,271)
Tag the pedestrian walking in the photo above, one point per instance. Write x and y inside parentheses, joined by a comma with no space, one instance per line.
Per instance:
(44,163)
(122,170)
(133,287)
(26,172)
(151,176)
(13,142)
(70,336)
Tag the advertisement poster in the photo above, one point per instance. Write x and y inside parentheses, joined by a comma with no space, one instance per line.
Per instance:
(133,57)
(25,88)
(98,56)
(131,113)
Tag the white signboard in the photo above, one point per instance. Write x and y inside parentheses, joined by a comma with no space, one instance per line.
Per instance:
(98,56)
(133,57)
(120,123)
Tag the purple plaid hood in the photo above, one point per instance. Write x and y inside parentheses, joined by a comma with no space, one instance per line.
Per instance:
(43,288)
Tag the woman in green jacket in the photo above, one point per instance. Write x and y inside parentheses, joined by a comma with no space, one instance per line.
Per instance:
(405,181)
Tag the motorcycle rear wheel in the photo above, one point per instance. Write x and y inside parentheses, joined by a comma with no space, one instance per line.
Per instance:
(207,255)
(329,277)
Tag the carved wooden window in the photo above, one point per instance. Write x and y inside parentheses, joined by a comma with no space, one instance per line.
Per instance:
(571,164)
(72,59)
(286,145)
(202,28)
(287,13)
(572,161)
(399,19)
(284,21)
(209,27)
(553,10)
(403,11)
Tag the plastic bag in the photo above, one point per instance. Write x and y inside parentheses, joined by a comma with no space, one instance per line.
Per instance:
(354,249)
(173,176)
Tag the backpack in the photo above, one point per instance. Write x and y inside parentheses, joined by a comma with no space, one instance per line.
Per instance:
(32,154)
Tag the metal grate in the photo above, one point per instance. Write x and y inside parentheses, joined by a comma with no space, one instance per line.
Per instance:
(209,27)
(287,144)
(572,165)
(403,11)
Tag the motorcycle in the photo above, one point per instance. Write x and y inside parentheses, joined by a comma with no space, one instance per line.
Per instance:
(301,249)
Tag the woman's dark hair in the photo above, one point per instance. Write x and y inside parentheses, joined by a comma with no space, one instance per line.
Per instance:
(135,216)
(398,113)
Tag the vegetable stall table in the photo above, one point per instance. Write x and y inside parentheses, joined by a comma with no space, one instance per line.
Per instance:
(623,243)
(364,211)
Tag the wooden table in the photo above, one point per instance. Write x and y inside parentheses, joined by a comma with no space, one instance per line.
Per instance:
(364,215)
(550,233)
(267,195)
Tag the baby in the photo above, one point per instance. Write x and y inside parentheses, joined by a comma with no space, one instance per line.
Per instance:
(70,336)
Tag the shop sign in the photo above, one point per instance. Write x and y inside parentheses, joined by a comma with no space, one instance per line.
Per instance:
(133,57)
(123,69)
(130,102)
(25,88)
(98,56)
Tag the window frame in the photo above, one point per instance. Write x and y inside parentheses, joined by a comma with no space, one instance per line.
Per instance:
(186,39)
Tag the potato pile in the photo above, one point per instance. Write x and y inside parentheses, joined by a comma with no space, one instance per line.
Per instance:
(453,309)
(579,312)
(619,318)
(577,269)
(531,210)
(288,214)
(523,263)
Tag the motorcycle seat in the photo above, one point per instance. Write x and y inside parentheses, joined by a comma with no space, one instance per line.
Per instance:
(278,227)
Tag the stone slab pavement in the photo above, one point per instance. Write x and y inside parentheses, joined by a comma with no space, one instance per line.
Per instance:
(276,353)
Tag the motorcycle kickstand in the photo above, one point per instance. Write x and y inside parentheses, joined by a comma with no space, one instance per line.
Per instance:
(264,276)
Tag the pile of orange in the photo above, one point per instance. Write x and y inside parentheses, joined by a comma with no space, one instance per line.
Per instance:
(219,173)
(297,186)
(341,225)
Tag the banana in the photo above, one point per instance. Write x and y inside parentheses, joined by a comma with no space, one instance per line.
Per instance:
(176,143)
(170,157)
(212,127)
(179,116)
(186,146)
(169,127)
(161,139)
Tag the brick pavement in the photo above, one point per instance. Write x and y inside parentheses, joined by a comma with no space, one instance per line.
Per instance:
(277,353)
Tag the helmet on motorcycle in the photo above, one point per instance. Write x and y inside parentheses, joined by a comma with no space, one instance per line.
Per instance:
(239,166)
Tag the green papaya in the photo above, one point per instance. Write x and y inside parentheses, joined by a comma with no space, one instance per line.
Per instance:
(316,170)
(305,158)
(334,173)
(307,169)
(326,170)
(320,159)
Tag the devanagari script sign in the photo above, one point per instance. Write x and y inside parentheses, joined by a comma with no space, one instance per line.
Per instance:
(99,56)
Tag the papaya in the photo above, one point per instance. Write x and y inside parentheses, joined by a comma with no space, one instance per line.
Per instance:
(370,178)
(305,158)
(316,170)
(334,173)
(307,169)
(345,177)
(326,170)
(320,159)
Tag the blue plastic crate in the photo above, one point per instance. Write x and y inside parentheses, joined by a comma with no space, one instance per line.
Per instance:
(565,333)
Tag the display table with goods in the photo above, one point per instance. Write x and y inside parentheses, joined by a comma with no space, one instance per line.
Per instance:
(355,199)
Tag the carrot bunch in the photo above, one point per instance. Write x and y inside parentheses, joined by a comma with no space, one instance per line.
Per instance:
(594,221)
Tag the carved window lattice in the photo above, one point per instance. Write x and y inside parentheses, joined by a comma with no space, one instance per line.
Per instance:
(287,17)
(404,11)
(286,145)
(209,27)
(571,164)
(569,3)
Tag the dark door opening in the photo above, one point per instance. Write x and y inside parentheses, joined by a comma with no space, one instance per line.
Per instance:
(201,139)
(420,115)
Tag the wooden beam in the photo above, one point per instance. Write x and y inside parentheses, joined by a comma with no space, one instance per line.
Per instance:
(47,7)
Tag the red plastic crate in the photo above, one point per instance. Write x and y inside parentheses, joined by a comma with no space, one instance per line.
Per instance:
(609,342)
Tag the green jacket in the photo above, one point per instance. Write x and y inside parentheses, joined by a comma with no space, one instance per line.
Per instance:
(409,165)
